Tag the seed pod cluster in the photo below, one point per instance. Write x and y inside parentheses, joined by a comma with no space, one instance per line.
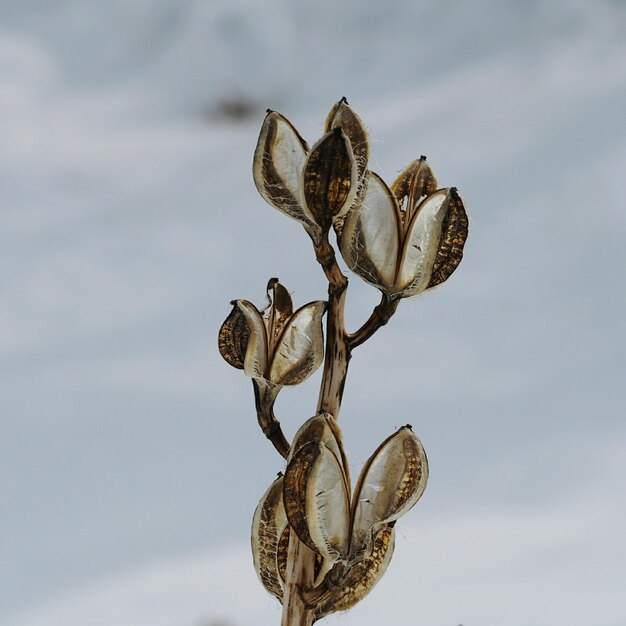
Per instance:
(406,239)
(280,347)
(352,535)
(403,239)
(316,186)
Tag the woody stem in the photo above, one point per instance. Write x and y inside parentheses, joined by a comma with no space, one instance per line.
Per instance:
(380,316)
(300,559)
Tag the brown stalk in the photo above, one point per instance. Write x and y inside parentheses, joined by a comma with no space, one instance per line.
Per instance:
(267,420)
(300,559)
(380,316)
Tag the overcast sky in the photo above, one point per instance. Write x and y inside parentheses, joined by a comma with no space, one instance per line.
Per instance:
(129,220)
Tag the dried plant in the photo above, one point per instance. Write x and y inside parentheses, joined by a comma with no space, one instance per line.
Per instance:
(318,546)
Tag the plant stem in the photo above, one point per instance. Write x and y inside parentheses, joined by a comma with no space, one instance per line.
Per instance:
(300,560)
(379,317)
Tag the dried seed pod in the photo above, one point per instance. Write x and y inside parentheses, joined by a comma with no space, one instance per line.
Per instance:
(280,310)
(282,555)
(342,116)
(359,580)
(277,168)
(454,229)
(233,338)
(330,178)
(281,347)
(324,429)
(299,350)
(426,240)
(391,482)
(371,236)
(415,182)
(269,524)
(317,500)
(405,252)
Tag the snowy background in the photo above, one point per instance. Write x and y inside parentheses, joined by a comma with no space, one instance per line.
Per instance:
(130,461)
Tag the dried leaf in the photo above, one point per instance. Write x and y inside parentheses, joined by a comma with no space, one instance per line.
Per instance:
(370,239)
(299,349)
(391,482)
(233,338)
(269,524)
(453,235)
(330,175)
(317,501)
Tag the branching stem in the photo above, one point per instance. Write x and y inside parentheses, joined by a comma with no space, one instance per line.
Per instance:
(380,316)
(301,560)
(339,345)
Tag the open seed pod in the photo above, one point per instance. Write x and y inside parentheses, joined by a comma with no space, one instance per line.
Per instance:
(392,480)
(317,501)
(269,525)
(406,239)
(316,186)
(357,581)
(344,531)
(278,347)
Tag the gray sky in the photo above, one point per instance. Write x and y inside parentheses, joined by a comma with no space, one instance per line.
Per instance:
(129,220)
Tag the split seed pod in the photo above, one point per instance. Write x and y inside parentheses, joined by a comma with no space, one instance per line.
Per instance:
(358,580)
(268,526)
(279,347)
(317,496)
(313,187)
(406,239)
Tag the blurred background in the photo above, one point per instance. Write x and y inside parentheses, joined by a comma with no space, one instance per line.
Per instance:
(130,458)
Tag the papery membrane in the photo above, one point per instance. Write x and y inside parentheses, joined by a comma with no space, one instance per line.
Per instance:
(281,309)
(370,239)
(330,178)
(233,338)
(391,482)
(342,116)
(255,362)
(279,159)
(360,578)
(453,236)
(317,502)
(422,243)
(268,526)
(417,180)
(322,428)
(299,350)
